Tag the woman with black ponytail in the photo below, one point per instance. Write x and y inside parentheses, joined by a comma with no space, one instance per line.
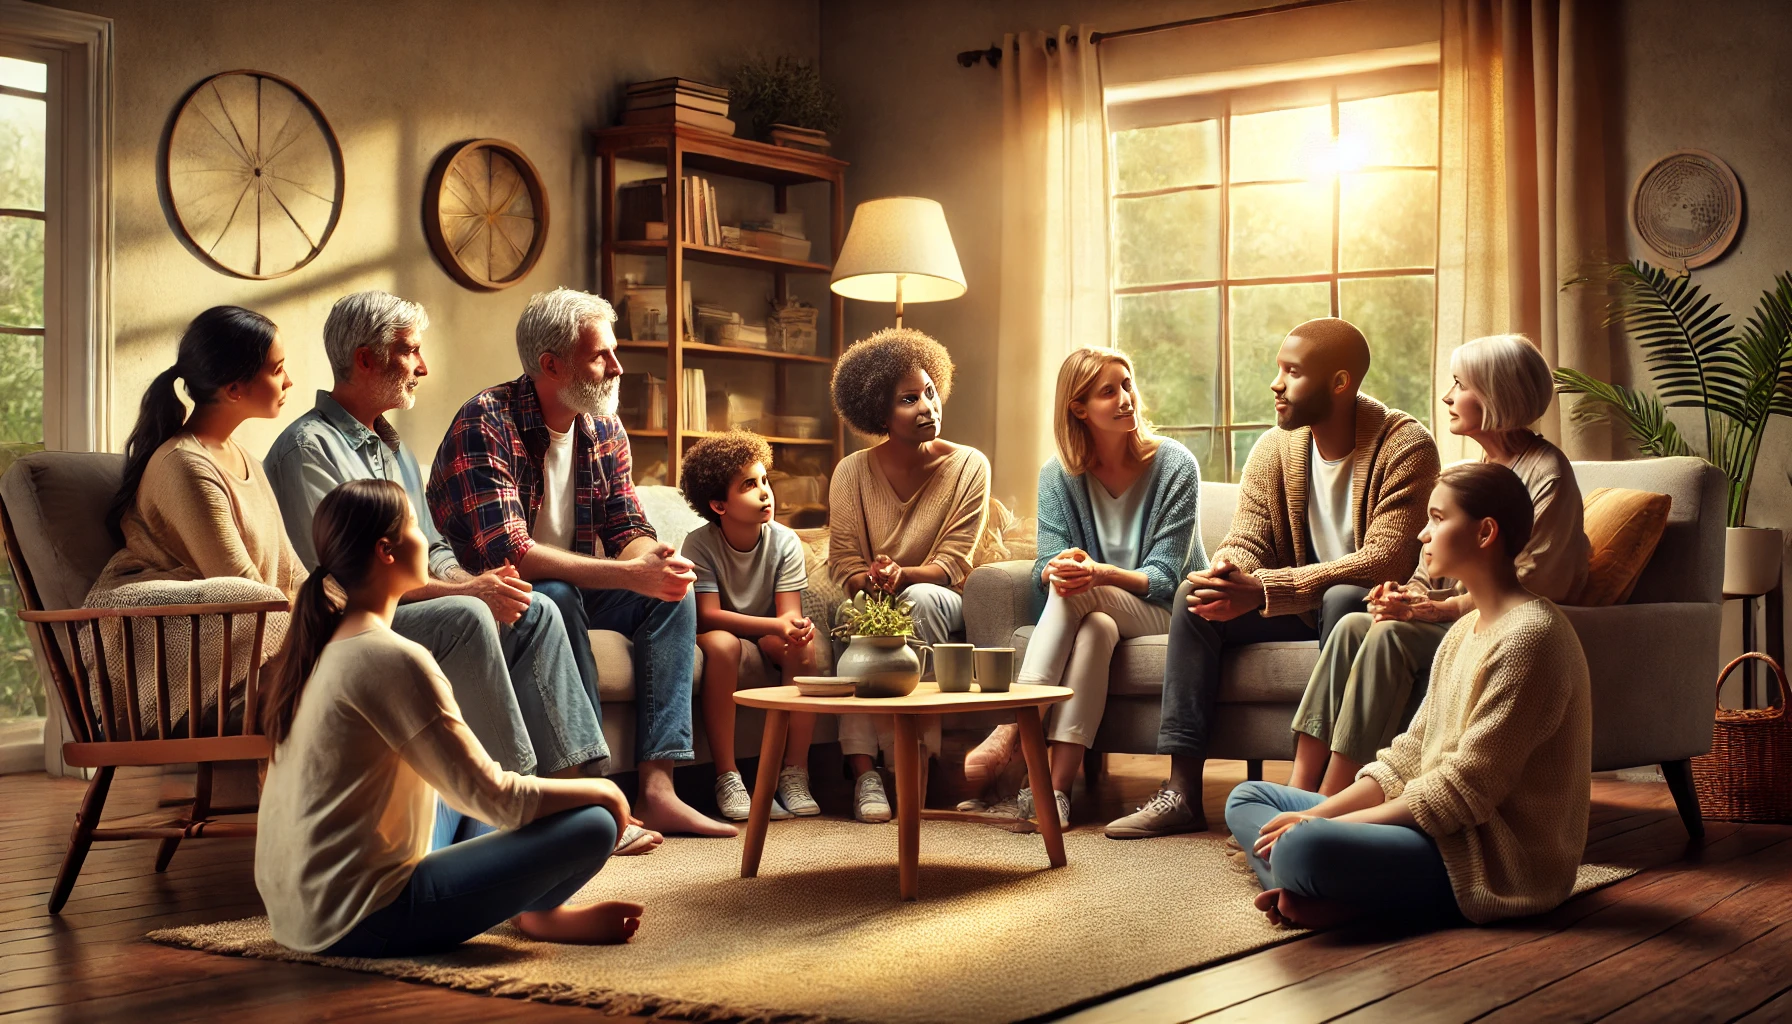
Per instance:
(366,735)
(194,506)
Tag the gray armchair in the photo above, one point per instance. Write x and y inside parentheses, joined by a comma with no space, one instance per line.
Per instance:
(1653,660)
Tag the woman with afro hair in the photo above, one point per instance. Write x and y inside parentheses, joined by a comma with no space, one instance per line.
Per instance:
(904,514)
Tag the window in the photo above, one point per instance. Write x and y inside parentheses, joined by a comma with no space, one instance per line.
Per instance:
(1256,210)
(24,96)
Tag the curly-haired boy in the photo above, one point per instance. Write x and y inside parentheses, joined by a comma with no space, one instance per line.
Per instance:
(750,582)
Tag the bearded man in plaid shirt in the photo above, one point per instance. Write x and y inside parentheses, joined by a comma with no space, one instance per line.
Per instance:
(535,473)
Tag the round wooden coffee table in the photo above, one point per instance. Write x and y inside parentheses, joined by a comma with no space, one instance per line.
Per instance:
(1024,700)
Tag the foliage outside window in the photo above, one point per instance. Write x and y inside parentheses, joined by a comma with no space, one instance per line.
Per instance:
(23,106)
(1266,208)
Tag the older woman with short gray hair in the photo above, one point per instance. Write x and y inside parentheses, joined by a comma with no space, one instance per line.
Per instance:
(1375,666)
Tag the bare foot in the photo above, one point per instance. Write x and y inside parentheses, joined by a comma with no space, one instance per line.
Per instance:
(672,816)
(596,924)
(1309,912)
(988,758)
(1269,901)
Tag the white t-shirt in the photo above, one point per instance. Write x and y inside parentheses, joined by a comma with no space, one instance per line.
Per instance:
(554,523)
(749,582)
(1329,532)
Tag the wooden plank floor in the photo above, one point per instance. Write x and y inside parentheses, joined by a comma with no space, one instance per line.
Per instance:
(1704,933)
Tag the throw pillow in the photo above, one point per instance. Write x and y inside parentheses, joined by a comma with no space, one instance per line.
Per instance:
(1623,527)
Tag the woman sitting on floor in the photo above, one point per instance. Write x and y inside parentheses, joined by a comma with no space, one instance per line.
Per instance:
(366,735)
(1373,670)
(1117,533)
(904,515)
(1480,808)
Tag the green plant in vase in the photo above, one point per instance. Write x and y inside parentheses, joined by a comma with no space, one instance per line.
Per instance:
(877,614)
(1738,380)
(781,90)
(880,652)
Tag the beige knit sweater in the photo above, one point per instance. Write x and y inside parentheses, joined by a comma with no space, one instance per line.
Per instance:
(1497,764)
(939,524)
(1395,469)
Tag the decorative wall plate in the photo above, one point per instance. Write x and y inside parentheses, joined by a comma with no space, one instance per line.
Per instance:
(252,175)
(486,214)
(1687,207)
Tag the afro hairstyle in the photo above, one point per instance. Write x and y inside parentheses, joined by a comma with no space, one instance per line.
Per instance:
(709,466)
(866,375)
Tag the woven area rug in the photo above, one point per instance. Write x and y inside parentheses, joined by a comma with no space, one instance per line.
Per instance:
(820,935)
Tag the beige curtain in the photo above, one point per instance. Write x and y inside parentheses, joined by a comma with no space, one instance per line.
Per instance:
(1522,193)
(1054,242)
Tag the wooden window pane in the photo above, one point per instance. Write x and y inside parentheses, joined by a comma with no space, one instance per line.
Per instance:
(1387,219)
(1281,230)
(1262,315)
(1280,145)
(1389,131)
(21,153)
(1173,339)
(1169,238)
(1166,157)
(1396,315)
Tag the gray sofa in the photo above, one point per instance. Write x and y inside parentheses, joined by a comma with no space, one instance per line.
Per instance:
(1652,660)
(58,501)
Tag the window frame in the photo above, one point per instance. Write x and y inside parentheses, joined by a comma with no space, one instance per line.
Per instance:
(1223,105)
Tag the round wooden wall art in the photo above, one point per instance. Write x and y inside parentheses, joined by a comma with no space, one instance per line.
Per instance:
(486,214)
(252,175)
(1687,207)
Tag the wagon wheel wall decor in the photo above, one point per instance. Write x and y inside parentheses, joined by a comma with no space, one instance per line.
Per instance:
(486,214)
(252,175)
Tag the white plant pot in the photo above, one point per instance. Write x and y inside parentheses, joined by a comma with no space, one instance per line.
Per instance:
(1751,560)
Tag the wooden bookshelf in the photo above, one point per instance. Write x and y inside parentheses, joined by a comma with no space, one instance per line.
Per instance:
(683,151)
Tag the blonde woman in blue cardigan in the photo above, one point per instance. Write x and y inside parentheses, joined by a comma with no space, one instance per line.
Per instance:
(1117,534)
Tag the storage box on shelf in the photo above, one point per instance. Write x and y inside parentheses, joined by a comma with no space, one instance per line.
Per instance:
(638,220)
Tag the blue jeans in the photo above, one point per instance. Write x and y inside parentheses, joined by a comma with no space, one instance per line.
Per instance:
(462,889)
(664,634)
(1388,870)
(518,686)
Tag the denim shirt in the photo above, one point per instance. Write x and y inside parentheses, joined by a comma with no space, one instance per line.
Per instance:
(326,448)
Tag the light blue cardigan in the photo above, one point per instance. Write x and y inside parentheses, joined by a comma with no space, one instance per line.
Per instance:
(1172,534)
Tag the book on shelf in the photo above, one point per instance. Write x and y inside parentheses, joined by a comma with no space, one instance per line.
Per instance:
(694,400)
(700,224)
(680,84)
(641,400)
(679,115)
(792,137)
(672,98)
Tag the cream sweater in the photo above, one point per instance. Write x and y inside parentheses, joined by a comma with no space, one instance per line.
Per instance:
(1497,764)
(939,524)
(348,808)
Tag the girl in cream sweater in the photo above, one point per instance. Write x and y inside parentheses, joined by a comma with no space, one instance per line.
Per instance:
(1479,809)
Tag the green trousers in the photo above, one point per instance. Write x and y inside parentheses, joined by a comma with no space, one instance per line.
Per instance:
(1370,679)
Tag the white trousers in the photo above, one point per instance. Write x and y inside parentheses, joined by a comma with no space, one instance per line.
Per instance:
(1073,646)
(939,613)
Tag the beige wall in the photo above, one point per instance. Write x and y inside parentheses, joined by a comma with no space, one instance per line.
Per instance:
(1704,76)
(399,80)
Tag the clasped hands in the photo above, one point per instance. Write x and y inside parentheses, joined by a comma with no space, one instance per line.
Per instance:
(794,629)
(503,590)
(1224,592)
(884,576)
(1074,572)
(1391,602)
(661,572)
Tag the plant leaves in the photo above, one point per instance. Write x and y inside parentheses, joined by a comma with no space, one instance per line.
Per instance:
(1640,413)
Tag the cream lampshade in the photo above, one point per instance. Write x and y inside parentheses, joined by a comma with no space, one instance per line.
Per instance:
(899,250)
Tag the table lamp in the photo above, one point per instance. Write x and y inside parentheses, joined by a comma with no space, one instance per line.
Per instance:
(898,250)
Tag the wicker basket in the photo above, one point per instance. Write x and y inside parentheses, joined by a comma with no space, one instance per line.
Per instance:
(1748,774)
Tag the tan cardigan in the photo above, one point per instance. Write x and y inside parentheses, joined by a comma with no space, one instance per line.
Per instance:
(939,524)
(1497,764)
(1395,469)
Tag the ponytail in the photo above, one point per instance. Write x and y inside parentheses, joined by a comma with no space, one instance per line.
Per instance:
(349,523)
(224,345)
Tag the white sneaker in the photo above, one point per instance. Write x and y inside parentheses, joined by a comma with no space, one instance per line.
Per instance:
(734,803)
(793,792)
(869,804)
(1025,808)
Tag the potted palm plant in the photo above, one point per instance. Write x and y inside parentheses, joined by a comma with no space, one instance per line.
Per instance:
(1738,380)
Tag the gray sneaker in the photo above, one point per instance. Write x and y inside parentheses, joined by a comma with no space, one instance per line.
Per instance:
(1165,814)
(733,802)
(1025,808)
(869,804)
(793,792)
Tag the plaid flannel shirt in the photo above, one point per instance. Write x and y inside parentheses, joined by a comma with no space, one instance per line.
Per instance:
(486,485)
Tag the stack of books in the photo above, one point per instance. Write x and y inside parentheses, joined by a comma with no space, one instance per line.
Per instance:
(678,101)
(791,137)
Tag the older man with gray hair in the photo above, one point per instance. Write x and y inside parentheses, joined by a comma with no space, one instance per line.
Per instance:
(535,473)
(502,646)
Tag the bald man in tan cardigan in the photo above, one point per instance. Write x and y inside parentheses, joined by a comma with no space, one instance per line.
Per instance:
(1334,496)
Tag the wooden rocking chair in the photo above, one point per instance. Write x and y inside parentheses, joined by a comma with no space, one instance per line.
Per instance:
(107,735)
